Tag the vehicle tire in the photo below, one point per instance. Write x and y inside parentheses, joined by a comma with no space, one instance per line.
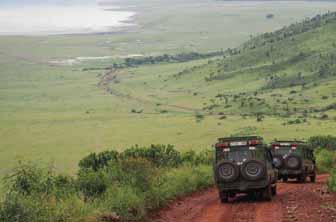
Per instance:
(267,193)
(227,171)
(252,196)
(274,190)
(224,197)
(313,178)
(301,178)
(253,170)
(293,162)
(278,161)
(285,179)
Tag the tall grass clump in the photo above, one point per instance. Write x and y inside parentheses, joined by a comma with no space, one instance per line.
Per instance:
(38,194)
(326,157)
(332,181)
(109,186)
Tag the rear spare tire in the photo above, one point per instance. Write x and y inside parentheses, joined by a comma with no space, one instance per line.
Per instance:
(227,171)
(293,162)
(253,170)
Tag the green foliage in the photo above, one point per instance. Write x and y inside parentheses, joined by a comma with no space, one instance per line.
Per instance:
(92,183)
(328,142)
(28,179)
(108,185)
(332,181)
(38,194)
(199,116)
(96,161)
(159,155)
(181,57)
(326,163)
(325,159)
(178,182)
(126,201)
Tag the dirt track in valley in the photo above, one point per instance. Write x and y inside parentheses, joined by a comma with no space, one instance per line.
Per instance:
(309,202)
(112,76)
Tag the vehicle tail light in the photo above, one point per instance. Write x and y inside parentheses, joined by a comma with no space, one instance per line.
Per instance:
(254,142)
(222,145)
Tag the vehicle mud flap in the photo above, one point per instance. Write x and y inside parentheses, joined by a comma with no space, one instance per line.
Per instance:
(302,178)
(313,178)
(274,190)
(267,193)
(224,197)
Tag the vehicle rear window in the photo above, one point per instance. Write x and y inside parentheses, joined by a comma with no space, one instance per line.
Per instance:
(284,150)
(241,154)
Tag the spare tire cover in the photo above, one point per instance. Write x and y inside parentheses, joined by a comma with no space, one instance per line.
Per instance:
(293,161)
(227,171)
(253,170)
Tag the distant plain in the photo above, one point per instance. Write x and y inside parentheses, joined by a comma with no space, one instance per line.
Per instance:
(54,112)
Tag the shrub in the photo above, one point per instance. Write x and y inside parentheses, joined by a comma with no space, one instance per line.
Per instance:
(159,155)
(92,183)
(97,161)
(325,160)
(332,181)
(328,142)
(125,201)
(19,208)
(136,172)
(15,208)
(28,179)
(109,186)
(178,182)
(199,116)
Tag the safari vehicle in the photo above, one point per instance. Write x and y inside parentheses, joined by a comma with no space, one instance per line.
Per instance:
(244,165)
(294,160)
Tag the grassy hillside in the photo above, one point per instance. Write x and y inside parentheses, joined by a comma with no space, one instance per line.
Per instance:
(59,113)
(286,74)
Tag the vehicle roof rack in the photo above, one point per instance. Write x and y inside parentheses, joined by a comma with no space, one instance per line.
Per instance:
(289,141)
(229,139)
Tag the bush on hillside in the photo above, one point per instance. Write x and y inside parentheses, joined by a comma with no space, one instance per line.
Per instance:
(109,185)
(97,161)
(325,160)
(38,194)
(328,142)
(332,181)
(159,155)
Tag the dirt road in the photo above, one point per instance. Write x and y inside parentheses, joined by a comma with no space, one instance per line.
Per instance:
(295,202)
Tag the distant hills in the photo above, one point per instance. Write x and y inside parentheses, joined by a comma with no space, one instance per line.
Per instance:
(289,72)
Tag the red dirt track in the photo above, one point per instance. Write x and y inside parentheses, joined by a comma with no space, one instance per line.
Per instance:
(309,202)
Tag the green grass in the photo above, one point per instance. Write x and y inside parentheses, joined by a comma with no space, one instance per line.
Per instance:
(126,185)
(58,114)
